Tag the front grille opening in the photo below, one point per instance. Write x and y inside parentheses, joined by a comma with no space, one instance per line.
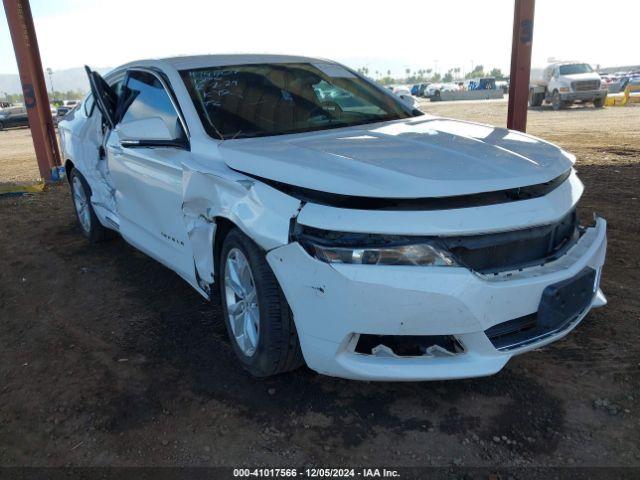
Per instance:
(493,253)
(585,85)
(408,345)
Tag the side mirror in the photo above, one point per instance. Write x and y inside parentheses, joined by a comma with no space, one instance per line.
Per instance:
(145,130)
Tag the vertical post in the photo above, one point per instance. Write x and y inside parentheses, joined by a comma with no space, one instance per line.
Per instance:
(520,64)
(25,44)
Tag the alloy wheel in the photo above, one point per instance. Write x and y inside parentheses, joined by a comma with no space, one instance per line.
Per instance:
(82,204)
(242,301)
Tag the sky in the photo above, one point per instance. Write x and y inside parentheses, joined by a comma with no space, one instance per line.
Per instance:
(380,35)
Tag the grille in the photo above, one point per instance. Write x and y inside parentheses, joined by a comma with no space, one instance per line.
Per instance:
(585,85)
(492,253)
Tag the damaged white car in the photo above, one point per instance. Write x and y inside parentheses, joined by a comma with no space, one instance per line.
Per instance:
(339,227)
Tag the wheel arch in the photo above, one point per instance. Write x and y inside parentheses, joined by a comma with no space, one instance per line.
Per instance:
(69,166)
(223,226)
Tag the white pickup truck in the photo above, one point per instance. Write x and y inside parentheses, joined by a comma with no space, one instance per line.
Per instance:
(563,83)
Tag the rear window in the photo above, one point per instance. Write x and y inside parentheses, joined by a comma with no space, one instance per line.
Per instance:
(273,99)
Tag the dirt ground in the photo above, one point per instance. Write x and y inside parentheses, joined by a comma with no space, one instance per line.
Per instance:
(17,157)
(107,358)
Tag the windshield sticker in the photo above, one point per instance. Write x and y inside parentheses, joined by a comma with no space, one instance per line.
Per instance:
(334,71)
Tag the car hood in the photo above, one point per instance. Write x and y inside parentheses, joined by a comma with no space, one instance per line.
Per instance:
(416,158)
(582,76)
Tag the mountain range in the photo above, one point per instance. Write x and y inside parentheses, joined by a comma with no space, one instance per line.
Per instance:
(63,81)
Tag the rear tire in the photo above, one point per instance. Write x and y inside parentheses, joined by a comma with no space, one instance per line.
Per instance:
(535,99)
(263,334)
(90,226)
(1,126)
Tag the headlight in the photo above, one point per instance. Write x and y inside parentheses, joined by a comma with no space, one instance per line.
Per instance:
(371,249)
(419,255)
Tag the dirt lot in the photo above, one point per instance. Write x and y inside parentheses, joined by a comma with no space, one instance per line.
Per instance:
(108,358)
(17,157)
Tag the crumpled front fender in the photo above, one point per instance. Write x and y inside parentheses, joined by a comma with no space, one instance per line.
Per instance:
(261,212)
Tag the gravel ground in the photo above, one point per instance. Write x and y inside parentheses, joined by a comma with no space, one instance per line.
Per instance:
(107,358)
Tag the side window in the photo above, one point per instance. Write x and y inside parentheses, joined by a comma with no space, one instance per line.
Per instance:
(143,97)
(90,104)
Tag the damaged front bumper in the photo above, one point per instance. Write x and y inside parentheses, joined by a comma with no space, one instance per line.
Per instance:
(337,305)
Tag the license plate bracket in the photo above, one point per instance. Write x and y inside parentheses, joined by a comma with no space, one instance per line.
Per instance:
(563,302)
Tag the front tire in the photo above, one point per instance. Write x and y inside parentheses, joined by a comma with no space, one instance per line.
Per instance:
(90,226)
(556,101)
(258,318)
(598,102)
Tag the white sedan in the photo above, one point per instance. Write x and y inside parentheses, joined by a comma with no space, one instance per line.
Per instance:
(338,226)
(404,94)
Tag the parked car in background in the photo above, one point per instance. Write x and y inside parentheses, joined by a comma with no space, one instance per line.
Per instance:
(13,116)
(62,111)
(563,83)
(404,94)
(401,90)
(433,91)
(418,89)
(502,85)
(370,242)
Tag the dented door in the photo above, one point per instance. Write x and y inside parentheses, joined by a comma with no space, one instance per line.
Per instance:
(147,174)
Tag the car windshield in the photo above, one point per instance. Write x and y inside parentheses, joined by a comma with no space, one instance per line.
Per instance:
(575,68)
(273,99)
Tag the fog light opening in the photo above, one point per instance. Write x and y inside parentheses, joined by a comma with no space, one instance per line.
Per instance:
(397,346)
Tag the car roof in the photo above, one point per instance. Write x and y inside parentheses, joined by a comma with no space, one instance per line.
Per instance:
(203,61)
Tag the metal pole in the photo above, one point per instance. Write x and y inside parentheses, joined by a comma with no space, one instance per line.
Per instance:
(520,64)
(53,92)
(34,88)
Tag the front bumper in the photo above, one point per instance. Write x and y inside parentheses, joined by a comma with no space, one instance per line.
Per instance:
(588,96)
(333,304)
